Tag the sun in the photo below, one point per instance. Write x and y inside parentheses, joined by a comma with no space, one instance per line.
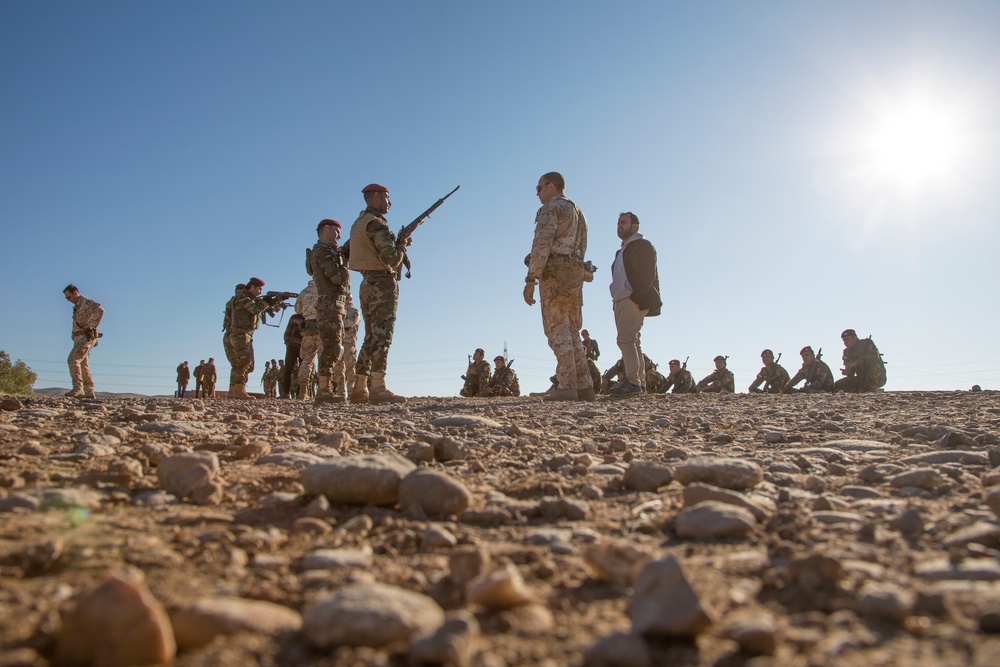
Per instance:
(915,145)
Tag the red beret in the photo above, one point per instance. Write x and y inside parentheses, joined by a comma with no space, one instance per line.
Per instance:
(375,187)
(328,221)
(255,281)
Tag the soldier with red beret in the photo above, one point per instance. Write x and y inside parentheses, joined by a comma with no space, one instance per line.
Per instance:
(242,318)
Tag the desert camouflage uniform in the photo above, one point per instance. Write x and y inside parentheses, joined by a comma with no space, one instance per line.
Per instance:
(333,282)
(719,381)
(682,382)
(503,383)
(270,381)
(654,379)
(818,377)
(476,378)
(379,292)
(87,316)
(242,319)
(773,380)
(343,371)
(209,377)
(305,305)
(595,373)
(868,374)
(557,252)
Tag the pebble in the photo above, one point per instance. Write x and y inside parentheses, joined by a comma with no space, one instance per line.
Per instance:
(923,478)
(358,480)
(193,476)
(433,494)
(500,589)
(728,473)
(336,559)
(885,601)
(993,499)
(616,561)
(453,643)
(755,632)
(646,476)
(712,519)
(619,649)
(200,622)
(699,492)
(369,614)
(664,603)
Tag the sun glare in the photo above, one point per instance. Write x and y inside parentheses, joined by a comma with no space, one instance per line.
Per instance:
(915,145)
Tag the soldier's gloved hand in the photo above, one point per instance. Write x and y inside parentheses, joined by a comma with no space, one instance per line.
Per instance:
(529,293)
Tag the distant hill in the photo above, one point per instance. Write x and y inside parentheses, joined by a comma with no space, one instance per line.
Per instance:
(59,391)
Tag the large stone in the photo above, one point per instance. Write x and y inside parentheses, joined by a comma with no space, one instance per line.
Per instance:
(923,478)
(118,623)
(433,494)
(466,420)
(728,473)
(754,631)
(619,649)
(359,480)
(993,499)
(646,476)
(664,603)
(199,623)
(192,475)
(760,507)
(369,614)
(713,519)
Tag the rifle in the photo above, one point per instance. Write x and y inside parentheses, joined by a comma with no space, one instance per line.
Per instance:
(684,366)
(276,301)
(767,384)
(819,355)
(407,231)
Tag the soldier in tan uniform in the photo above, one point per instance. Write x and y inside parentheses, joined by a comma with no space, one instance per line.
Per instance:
(556,265)
(377,255)
(87,317)
(343,371)
(312,346)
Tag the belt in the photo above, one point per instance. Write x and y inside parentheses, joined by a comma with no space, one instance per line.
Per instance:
(337,297)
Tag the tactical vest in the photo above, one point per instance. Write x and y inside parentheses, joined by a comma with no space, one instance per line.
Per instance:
(364,254)
(240,320)
(328,253)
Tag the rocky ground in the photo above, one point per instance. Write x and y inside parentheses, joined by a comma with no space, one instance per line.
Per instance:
(659,530)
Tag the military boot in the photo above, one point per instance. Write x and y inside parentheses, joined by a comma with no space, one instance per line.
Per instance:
(359,393)
(304,390)
(238,391)
(325,395)
(74,392)
(379,393)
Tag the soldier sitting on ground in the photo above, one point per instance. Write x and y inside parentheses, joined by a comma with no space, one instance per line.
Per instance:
(818,376)
(504,381)
(772,375)
(477,375)
(864,369)
(720,381)
(654,379)
(680,379)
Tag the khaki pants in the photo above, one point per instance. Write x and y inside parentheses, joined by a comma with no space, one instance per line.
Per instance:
(79,363)
(628,321)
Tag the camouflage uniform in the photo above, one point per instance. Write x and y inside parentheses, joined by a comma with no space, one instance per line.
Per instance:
(557,252)
(87,316)
(333,282)
(270,381)
(682,382)
(476,378)
(773,380)
(209,376)
(379,293)
(654,379)
(818,377)
(719,381)
(305,305)
(343,371)
(595,373)
(593,349)
(242,319)
(869,372)
(503,383)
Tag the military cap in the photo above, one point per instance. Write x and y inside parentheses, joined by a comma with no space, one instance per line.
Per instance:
(480,350)
(848,332)
(211,359)
(375,187)
(674,362)
(255,282)
(719,358)
(807,348)
(499,357)
(767,352)
(328,222)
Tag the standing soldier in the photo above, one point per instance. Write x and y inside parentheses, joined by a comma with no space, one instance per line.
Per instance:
(87,317)
(343,372)
(293,344)
(477,375)
(556,265)
(242,318)
(333,284)
(680,379)
(209,376)
(772,375)
(720,381)
(183,377)
(377,256)
(864,369)
(268,378)
(198,383)
(504,381)
(593,349)
(305,306)
(818,376)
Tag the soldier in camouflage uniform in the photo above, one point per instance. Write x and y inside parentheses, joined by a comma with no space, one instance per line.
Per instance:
(270,379)
(343,371)
(720,381)
(377,256)
(242,318)
(209,377)
(772,376)
(504,381)
(333,283)
(680,380)
(87,317)
(305,305)
(818,376)
(595,375)
(556,265)
(653,378)
(863,365)
(593,349)
(293,347)
(477,375)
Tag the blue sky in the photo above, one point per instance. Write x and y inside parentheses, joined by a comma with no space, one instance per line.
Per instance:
(801,167)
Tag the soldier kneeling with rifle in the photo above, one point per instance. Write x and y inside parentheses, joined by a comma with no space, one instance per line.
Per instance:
(504,381)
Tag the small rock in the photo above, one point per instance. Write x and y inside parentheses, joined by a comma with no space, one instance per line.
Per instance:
(199,623)
(646,476)
(993,500)
(664,603)
(922,478)
(500,589)
(617,562)
(713,519)
(619,649)
(755,632)
(192,476)
(885,601)
(335,559)
(728,473)
(434,494)
(436,536)
(360,480)
(467,563)
(454,642)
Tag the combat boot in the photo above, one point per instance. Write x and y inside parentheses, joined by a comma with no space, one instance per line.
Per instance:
(88,392)
(74,392)
(304,390)
(324,395)
(562,395)
(238,391)
(359,393)
(379,393)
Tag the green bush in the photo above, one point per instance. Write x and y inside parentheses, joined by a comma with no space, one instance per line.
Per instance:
(15,378)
